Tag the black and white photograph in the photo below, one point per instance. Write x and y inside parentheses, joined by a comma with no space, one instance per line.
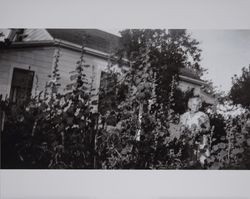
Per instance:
(132,99)
(125,99)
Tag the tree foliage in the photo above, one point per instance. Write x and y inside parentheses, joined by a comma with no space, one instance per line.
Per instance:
(241,85)
(154,58)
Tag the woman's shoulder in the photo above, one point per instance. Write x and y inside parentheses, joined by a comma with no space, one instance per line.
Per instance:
(186,114)
(202,115)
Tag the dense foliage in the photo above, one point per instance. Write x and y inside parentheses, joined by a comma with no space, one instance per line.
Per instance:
(241,84)
(136,126)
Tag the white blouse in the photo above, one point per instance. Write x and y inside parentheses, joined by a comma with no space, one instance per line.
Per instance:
(195,120)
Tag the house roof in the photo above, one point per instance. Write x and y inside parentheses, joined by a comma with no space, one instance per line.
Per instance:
(100,40)
(96,39)
(187,72)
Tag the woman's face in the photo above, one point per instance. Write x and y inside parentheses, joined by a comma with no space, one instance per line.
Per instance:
(194,105)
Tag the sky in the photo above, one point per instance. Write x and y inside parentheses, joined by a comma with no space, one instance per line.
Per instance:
(224,53)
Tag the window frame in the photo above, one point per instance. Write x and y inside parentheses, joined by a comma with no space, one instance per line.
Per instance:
(14,88)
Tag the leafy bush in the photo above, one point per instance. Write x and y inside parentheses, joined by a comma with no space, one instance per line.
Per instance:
(52,130)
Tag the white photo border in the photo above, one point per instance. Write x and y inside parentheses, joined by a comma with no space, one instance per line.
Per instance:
(120,14)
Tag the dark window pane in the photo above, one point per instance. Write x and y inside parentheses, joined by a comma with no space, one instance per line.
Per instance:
(21,85)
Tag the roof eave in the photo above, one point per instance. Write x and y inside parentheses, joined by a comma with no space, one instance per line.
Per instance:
(192,80)
(56,42)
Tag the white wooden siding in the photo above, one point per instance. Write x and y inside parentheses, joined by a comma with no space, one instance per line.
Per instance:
(184,86)
(5,32)
(67,64)
(32,34)
(38,60)
(37,35)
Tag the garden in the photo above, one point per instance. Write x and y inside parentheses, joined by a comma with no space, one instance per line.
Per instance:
(137,125)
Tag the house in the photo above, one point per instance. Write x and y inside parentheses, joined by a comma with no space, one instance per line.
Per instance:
(190,80)
(26,63)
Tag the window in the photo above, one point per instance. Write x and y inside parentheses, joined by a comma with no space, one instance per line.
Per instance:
(111,95)
(21,85)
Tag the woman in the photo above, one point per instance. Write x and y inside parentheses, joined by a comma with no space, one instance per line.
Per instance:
(197,123)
